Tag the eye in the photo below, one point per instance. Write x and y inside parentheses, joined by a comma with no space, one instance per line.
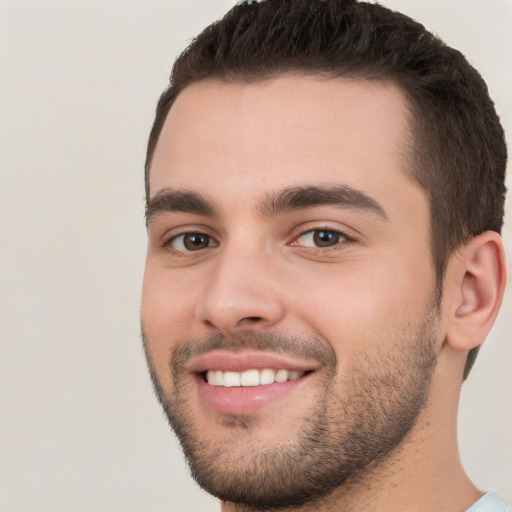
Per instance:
(320,238)
(191,242)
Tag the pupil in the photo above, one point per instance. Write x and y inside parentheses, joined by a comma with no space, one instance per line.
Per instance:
(194,241)
(325,238)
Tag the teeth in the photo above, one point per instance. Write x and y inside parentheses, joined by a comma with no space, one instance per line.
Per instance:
(218,378)
(281,375)
(267,376)
(231,379)
(250,377)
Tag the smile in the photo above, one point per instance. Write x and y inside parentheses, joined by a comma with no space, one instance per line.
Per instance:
(251,378)
(247,382)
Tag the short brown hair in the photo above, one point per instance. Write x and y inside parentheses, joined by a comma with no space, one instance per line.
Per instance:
(459,153)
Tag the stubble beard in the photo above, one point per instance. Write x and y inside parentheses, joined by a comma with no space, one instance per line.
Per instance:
(355,425)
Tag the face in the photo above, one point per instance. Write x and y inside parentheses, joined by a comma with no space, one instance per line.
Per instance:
(288,303)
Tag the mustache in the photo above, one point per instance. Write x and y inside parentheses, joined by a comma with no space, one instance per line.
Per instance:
(304,348)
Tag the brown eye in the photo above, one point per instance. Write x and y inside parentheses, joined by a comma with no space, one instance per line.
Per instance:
(321,238)
(191,242)
(325,238)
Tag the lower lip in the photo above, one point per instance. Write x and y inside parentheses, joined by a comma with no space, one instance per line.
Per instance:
(245,400)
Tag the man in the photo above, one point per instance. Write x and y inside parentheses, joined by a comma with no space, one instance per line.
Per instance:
(325,190)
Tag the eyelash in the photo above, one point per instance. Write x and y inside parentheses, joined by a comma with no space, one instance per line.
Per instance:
(167,244)
(338,245)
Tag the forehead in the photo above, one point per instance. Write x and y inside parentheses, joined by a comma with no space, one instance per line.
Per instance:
(282,132)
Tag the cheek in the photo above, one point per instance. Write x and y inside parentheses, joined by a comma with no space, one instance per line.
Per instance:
(360,307)
(168,298)
(167,310)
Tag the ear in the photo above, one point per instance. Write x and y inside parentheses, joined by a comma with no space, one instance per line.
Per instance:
(476,278)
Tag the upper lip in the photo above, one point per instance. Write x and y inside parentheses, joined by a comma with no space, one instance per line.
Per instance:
(242,361)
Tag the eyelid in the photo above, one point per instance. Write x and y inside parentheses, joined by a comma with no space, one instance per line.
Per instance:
(173,240)
(328,228)
(170,236)
(319,251)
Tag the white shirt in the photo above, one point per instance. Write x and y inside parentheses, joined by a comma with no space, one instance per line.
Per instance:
(489,502)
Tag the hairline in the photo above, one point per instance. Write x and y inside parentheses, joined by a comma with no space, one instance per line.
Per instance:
(249,77)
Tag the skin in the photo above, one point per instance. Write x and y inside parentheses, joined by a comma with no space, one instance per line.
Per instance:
(362,300)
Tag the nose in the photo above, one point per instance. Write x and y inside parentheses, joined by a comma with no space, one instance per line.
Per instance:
(242,293)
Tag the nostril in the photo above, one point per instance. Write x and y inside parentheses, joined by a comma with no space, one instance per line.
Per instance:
(253,318)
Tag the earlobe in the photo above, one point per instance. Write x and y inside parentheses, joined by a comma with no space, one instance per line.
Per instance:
(480,275)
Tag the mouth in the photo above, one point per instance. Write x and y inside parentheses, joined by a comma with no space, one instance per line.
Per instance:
(235,383)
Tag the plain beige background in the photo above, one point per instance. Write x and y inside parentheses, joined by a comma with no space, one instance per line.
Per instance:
(80,429)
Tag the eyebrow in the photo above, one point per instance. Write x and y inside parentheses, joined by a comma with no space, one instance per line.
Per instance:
(286,200)
(169,200)
(300,198)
